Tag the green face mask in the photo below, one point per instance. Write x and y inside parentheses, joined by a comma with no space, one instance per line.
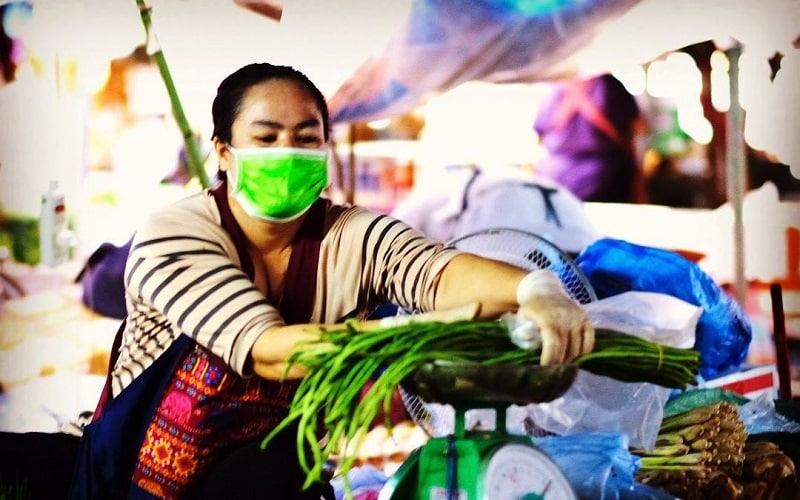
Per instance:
(278,184)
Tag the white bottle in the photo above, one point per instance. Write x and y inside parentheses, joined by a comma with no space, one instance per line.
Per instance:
(53,240)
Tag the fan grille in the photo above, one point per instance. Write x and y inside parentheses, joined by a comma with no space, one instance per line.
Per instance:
(529,251)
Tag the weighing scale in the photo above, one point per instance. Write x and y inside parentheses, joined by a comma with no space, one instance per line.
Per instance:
(476,463)
(471,464)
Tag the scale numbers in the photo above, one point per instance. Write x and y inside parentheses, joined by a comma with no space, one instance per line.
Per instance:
(517,471)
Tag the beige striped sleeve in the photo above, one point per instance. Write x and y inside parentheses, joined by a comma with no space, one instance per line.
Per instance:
(368,259)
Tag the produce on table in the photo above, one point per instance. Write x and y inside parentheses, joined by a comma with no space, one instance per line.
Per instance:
(703,453)
(708,435)
(768,472)
(385,449)
(330,400)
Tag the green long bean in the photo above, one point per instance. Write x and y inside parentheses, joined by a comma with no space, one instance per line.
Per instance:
(329,401)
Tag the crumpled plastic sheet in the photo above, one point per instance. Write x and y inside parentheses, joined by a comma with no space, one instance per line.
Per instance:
(760,416)
(600,404)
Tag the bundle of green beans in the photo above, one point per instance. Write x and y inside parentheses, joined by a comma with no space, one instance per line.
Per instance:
(329,399)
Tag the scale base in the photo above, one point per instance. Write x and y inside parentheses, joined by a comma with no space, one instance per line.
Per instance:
(467,468)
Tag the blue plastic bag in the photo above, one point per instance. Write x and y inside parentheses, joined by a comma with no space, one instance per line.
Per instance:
(723,332)
(598,465)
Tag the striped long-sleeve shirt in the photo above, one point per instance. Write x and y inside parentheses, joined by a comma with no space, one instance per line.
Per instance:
(184,277)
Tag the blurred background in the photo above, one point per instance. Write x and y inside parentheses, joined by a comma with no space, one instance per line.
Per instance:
(111,99)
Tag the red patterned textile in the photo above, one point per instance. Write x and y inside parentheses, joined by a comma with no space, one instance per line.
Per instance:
(206,412)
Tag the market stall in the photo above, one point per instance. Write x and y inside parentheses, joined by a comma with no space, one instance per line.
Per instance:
(727,434)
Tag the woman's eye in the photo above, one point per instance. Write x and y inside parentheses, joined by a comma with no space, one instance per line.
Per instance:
(309,139)
(268,139)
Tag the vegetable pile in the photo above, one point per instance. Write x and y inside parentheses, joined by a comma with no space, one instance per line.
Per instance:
(705,453)
(710,435)
(329,399)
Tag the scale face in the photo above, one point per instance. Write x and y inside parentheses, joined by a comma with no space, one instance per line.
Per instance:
(519,471)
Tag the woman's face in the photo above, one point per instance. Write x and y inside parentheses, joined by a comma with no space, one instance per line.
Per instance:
(275,113)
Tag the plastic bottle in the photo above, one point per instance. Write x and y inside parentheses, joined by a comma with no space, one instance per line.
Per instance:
(53,239)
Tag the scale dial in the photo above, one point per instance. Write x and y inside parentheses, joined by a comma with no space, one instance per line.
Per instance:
(518,471)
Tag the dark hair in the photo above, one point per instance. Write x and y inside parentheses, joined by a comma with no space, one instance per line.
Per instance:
(229,95)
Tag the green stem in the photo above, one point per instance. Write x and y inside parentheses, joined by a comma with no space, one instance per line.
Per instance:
(194,158)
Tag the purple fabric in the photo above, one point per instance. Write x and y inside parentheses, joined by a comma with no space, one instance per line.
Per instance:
(579,136)
(607,177)
(582,156)
(101,279)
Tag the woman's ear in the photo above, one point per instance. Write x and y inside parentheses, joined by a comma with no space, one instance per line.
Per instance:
(221,148)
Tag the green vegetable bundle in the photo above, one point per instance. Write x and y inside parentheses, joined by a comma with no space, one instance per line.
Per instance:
(329,399)
(699,453)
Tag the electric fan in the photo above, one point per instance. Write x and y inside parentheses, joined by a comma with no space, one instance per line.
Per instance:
(520,248)
(471,453)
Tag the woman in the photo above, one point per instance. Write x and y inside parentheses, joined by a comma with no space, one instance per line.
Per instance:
(223,286)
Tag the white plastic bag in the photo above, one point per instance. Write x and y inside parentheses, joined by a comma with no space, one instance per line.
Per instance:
(657,317)
(598,403)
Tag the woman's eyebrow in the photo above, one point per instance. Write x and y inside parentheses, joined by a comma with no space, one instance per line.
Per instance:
(267,123)
(311,122)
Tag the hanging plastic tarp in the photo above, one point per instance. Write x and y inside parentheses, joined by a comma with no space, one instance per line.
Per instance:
(448,42)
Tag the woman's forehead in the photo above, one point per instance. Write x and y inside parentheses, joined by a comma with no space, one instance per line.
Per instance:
(278,100)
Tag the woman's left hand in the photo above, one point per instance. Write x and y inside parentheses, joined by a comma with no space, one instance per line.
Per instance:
(564,326)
